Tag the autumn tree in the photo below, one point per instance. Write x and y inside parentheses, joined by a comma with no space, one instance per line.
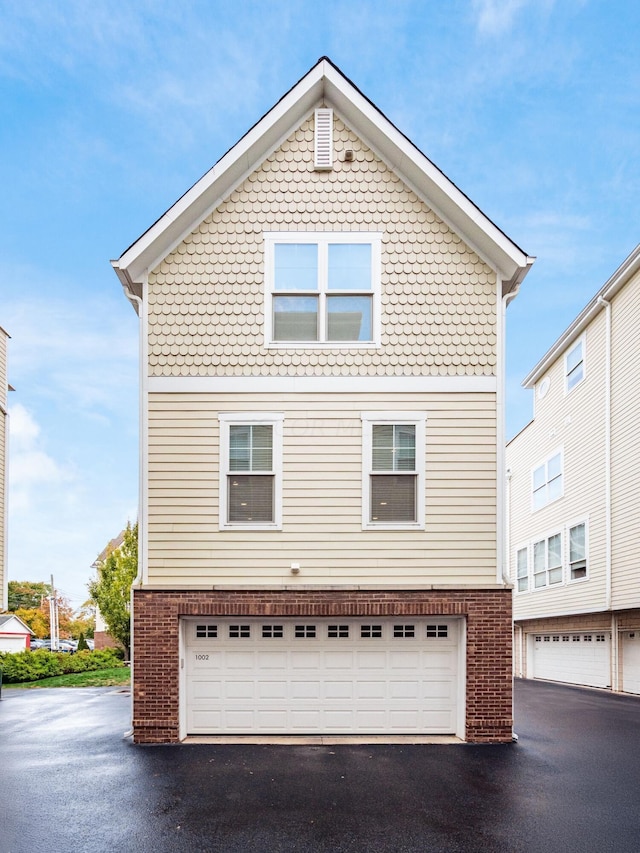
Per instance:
(110,591)
(26,595)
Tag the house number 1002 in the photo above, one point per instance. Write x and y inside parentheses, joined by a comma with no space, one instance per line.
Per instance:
(202,657)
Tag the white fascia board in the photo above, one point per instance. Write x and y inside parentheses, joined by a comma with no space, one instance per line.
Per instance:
(627,269)
(207,193)
(325,84)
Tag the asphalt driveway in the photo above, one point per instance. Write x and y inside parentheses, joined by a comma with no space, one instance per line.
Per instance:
(71,782)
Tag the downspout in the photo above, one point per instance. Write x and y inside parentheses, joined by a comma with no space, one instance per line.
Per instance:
(142,491)
(504,477)
(4,594)
(607,491)
(502,574)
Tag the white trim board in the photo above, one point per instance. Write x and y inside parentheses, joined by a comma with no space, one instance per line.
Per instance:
(322,384)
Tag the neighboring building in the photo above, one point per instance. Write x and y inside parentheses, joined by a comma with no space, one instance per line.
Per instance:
(15,635)
(4,484)
(574,484)
(321,536)
(101,637)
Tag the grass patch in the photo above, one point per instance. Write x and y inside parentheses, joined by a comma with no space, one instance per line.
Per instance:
(115,677)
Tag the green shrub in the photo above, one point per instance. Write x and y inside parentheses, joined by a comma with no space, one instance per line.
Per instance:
(18,667)
(29,666)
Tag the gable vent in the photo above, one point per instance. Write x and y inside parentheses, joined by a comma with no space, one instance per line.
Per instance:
(323,155)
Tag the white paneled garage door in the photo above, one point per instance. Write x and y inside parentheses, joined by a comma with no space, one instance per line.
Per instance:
(321,676)
(630,652)
(575,658)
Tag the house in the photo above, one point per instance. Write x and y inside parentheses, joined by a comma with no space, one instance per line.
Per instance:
(15,635)
(4,481)
(574,493)
(321,520)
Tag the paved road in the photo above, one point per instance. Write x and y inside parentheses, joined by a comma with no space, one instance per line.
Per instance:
(70,783)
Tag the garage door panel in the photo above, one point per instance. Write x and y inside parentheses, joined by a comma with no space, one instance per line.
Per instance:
(371,660)
(239,689)
(339,660)
(405,660)
(272,660)
(206,690)
(320,677)
(404,690)
(338,689)
(273,689)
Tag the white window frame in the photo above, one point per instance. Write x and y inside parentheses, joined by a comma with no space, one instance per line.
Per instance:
(581,342)
(527,549)
(417,419)
(558,532)
(323,239)
(228,419)
(545,464)
(569,528)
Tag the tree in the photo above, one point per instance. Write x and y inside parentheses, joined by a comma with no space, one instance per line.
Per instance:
(110,591)
(26,595)
(36,619)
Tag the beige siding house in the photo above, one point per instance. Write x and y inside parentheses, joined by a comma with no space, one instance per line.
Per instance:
(4,451)
(321,527)
(573,496)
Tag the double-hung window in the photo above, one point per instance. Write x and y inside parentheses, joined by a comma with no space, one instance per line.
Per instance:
(522,569)
(393,469)
(574,365)
(547,481)
(547,561)
(250,470)
(578,551)
(322,289)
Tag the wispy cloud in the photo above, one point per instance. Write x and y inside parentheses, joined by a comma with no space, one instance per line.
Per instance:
(498,17)
(32,469)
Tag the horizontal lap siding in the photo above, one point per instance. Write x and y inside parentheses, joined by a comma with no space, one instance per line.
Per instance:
(574,422)
(322,457)
(625,431)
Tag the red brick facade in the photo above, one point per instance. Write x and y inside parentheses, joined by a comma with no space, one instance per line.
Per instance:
(488,652)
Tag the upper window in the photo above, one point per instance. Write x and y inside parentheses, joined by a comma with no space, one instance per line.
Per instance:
(547,481)
(322,288)
(522,569)
(574,365)
(578,552)
(393,469)
(250,470)
(547,561)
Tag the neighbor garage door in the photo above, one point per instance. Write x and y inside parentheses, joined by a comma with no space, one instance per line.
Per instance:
(313,676)
(630,652)
(575,658)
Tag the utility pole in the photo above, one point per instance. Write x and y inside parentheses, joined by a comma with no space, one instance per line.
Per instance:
(53,618)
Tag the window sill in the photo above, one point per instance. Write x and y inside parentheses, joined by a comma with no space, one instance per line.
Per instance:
(241,528)
(328,345)
(391,526)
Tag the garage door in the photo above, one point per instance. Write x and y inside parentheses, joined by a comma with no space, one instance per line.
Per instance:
(575,658)
(13,644)
(630,649)
(353,676)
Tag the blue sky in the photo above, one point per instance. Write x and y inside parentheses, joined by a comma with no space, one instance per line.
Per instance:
(109,111)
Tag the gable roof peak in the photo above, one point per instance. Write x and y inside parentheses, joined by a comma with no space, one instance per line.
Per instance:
(323,83)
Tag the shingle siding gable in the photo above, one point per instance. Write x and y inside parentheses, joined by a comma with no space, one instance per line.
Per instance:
(206,299)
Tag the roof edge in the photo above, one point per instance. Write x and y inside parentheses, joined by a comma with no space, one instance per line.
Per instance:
(629,267)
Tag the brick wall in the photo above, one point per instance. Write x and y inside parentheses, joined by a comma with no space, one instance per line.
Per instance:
(102,640)
(488,653)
